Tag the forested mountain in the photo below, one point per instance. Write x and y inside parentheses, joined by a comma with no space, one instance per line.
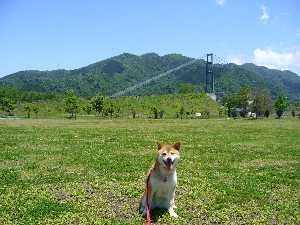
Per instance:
(116,73)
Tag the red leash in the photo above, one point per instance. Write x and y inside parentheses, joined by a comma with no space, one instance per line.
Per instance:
(148,192)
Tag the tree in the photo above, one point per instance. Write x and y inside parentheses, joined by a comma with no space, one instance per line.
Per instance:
(293,113)
(35,109)
(87,108)
(154,110)
(231,102)
(244,98)
(98,103)
(222,111)
(71,104)
(161,114)
(241,100)
(267,113)
(262,103)
(109,108)
(281,104)
(181,111)
(7,105)
(133,110)
(117,110)
(206,114)
(28,108)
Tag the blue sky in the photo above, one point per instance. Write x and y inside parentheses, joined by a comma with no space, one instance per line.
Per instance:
(68,34)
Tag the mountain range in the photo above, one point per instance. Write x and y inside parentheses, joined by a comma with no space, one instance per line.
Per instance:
(122,71)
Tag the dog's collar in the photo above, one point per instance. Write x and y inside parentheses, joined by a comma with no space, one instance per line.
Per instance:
(164,177)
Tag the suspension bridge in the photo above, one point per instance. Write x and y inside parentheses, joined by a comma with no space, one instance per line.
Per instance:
(208,59)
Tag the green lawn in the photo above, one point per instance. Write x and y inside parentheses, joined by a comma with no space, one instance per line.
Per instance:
(93,171)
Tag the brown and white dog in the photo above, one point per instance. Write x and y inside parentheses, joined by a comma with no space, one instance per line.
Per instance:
(161,181)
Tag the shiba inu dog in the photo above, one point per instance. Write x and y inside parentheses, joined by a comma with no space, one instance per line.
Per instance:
(161,181)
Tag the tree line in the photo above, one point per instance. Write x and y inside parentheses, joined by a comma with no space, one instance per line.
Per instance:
(258,102)
(235,105)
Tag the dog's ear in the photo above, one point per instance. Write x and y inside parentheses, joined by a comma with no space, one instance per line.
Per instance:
(159,145)
(177,146)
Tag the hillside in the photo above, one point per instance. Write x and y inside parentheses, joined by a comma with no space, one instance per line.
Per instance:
(278,81)
(116,73)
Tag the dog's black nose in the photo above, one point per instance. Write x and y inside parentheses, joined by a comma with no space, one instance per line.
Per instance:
(168,162)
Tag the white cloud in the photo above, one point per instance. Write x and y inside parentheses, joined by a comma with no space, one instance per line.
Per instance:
(288,59)
(264,17)
(277,60)
(237,59)
(220,2)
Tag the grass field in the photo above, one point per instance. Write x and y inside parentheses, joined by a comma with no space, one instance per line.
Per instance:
(93,171)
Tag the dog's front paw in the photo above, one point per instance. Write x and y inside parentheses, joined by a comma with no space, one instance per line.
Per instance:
(173,213)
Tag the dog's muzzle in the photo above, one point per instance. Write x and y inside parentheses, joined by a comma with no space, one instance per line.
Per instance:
(168,162)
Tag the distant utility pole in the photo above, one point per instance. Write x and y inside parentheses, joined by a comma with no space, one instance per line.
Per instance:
(209,75)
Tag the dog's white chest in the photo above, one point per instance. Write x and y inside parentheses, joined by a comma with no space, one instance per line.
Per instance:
(164,191)
(165,186)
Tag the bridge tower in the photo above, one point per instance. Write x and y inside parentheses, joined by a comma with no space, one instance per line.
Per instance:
(209,76)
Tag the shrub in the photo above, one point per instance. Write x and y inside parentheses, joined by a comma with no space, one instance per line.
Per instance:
(281,105)
(293,113)
(97,103)
(154,111)
(161,114)
(35,109)
(7,105)
(181,111)
(87,108)
(28,108)
(71,104)
(267,113)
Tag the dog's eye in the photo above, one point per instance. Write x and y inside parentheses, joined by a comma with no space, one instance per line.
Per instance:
(164,154)
(172,153)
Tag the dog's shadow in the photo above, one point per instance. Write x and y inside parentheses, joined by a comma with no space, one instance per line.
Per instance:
(157,213)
